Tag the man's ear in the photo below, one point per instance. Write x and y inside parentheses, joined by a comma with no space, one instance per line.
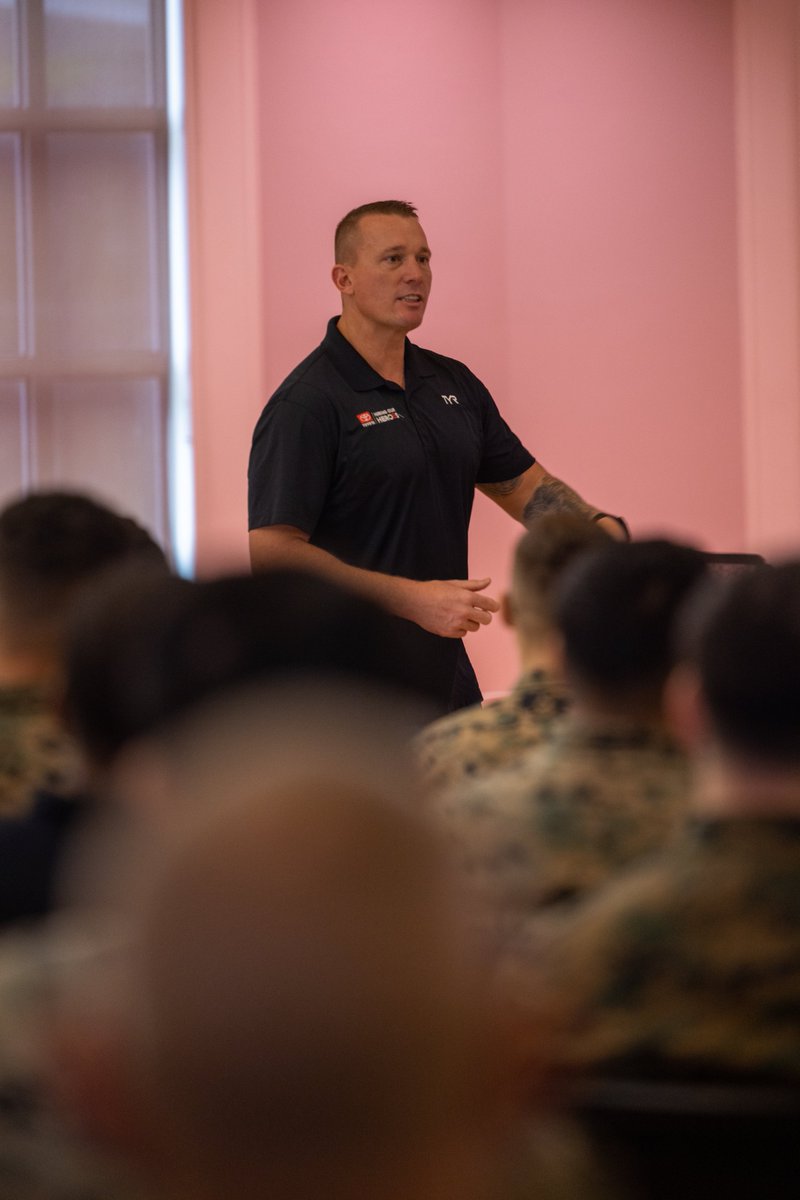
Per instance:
(341,279)
(507,609)
(685,708)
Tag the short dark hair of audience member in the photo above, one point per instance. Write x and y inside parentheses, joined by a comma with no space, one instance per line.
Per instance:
(55,546)
(302,1009)
(744,641)
(616,609)
(51,544)
(345,247)
(540,558)
(143,651)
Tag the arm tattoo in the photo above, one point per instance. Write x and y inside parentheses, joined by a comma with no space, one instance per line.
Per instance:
(501,489)
(554,496)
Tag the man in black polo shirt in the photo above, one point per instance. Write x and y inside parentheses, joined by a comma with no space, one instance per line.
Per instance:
(365,461)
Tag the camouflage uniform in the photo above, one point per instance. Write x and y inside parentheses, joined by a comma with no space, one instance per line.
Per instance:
(473,741)
(35,752)
(568,815)
(691,964)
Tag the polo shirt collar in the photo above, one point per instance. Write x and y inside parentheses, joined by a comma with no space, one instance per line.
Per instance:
(359,374)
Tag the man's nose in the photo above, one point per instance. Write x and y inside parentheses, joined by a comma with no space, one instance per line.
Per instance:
(412,268)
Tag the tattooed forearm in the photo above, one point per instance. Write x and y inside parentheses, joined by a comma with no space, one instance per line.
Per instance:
(501,489)
(554,496)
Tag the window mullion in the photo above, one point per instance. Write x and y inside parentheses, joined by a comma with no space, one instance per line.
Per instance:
(32,50)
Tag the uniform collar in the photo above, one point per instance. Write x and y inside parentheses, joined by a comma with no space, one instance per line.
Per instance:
(356,370)
(618,735)
(745,829)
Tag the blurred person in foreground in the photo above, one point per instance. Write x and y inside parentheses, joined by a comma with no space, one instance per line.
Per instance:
(144,649)
(611,783)
(52,544)
(474,741)
(690,966)
(54,548)
(293,1003)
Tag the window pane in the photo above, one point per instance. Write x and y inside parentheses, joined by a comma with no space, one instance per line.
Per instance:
(9,69)
(98,52)
(10,298)
(99,276)
(13,456)
(106,436)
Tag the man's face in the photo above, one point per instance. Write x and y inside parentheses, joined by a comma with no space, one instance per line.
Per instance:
(390,279)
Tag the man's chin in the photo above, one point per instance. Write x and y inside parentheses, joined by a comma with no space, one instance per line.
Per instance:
(413,319)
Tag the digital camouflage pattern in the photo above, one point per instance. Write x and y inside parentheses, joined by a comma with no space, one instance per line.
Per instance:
(692,962)
(569,815)
(35,752)
(474,741)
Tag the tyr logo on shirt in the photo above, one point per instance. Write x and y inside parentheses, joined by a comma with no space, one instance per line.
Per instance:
(450,399)
(380,417)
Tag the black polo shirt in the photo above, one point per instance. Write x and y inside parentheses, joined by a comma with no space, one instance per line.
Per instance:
(382,477)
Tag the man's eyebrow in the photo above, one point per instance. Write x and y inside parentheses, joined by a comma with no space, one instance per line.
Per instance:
(403,247)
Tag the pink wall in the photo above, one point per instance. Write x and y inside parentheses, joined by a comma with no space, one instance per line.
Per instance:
(768,157)
(621,252)
(574,167)
(227,287)
(365,100)
(619,243)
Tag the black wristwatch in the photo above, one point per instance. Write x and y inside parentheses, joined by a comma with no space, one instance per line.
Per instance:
(620,521)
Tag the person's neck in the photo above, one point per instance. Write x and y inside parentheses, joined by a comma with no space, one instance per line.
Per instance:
(383,349)
(728,787)
(605,713)
(539,656)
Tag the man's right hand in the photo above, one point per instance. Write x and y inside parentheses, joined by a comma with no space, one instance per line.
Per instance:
(450,607)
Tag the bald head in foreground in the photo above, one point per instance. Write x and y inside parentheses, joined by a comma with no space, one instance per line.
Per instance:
(301,1008)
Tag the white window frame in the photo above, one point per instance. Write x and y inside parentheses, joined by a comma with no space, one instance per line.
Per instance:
(38,367)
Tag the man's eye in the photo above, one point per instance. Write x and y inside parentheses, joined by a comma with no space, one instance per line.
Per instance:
(424,260)
(393,258)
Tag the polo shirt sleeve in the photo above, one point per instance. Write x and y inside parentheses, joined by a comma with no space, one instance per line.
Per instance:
(292,463)
(504,456)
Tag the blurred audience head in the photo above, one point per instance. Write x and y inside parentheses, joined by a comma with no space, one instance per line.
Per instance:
(52,544)
(298,1005)
(143,651)
(616,611)
(744,643)
(540,557)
